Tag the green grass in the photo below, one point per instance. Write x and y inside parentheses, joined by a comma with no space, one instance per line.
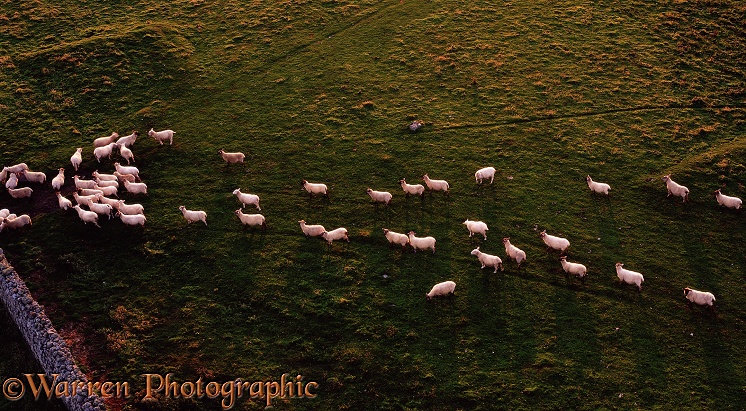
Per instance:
(546,92)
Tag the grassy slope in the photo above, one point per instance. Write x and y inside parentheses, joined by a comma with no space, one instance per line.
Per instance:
(547,92)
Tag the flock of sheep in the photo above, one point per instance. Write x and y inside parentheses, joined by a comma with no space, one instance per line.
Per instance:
(95,195)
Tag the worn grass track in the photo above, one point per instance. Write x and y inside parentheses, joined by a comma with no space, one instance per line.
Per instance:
(546,92)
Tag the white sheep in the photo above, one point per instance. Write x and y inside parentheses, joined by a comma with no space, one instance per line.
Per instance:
(675,189)
(103,177)
(396,238)
(34,176)
(246,198)
(251,220)
(108,190)
(600,188)
(575,269)
(315,188)
(727,201)
(89,191)
(136,188)
(485,173)
(161,136)
(87,216)
(59,180)
(12,181)
(15,222)
(379,196)
(629,277)
(77,158)
(128,141)
(488,260)
(104,151)
(477,227)
(513,252)
(436,185)
(414,189)
(555,243)
(85,200)
(3,176)
(105,141)
(101,209)
(81,183)
(132,219)
(421,243)
(23,192)
(114,203)
(63,202)
(312,230)
(127,170)
(446,288)
(193,215)
(232,157)
(699,298)
(336,234)
(108,183)
(129,209)
(126,153)
(16,168)
(4,213)
(121,178)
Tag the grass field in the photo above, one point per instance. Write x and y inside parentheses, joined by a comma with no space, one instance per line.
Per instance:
(546,92)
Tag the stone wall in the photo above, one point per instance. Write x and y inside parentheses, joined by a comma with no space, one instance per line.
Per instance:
(46,345)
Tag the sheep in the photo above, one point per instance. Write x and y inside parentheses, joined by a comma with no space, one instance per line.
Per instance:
(124,177)
(4,213)
(23,192)
(513,252)
(63,202)
(80,183)
(421,243)
(477,227)
(193,215)
(89,191)
(126,153)
(485,173)
(336,234)
(59,180)
(675,189)
(629,277)
(488,260)
(575,269)
(727,201)
(3,176)
(127,170)
(313,230)
(246,198)
(414,189)
(104,151)
(315,188)
(396,238)
(136,188)
(107,190)
(17,168)
(103,177)
(132,219)
(699,298)
(105,141)
(87,216)
(12,181)
(251,220)
(108,183)
(85,200)
(34,176)
(129,209)
(161,136)
(555,243)
(446,288)
(16,222)
(436,185)
(77,158)
(114,203)
(379,196)
(101,209)
(600,188)
(232,157)
(128,141)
